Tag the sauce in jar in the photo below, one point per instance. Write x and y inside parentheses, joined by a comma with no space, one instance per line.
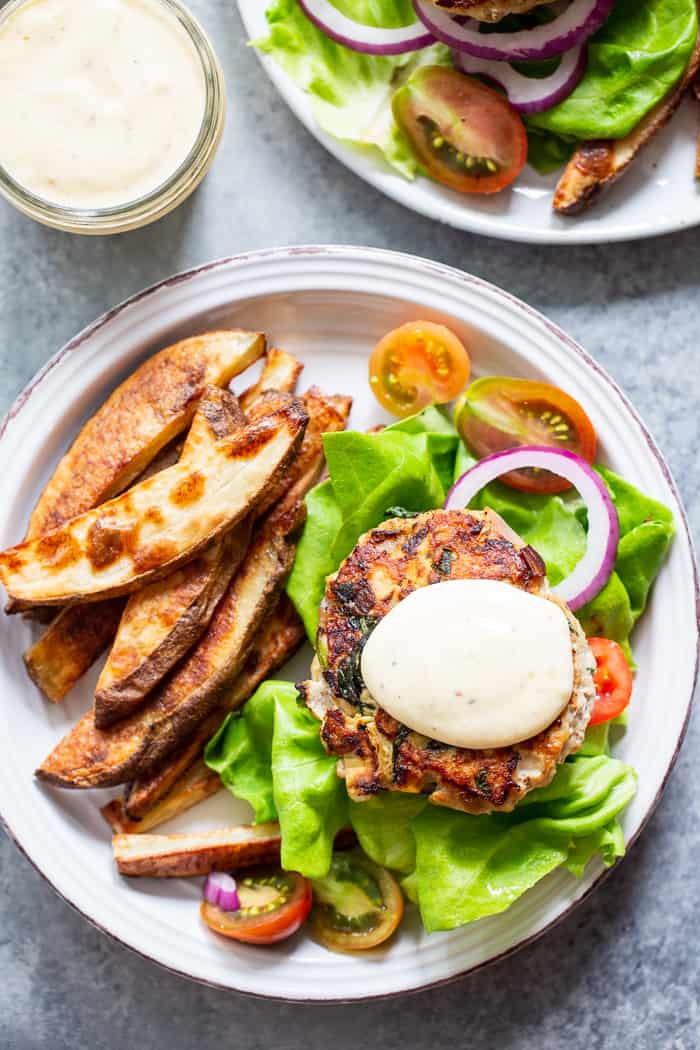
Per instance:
(101,101)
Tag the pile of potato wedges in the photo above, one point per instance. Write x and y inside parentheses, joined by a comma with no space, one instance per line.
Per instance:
(165,536)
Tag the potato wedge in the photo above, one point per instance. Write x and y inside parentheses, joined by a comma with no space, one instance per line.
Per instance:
(181,856)
(276,641)
(71,644)
(158,524)
(597,164)
(162,622)
(280,371)
(89,757)
(199,853)
(197,784)
(137,420)
(164,619)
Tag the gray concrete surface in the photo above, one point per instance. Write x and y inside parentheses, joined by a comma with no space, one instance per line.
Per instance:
(621,972)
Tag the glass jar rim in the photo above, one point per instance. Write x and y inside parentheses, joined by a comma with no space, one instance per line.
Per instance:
(139,211)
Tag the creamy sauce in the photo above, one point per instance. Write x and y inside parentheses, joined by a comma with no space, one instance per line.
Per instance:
(100,100)
(473,663)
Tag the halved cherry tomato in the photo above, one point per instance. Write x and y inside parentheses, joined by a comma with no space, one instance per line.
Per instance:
(274,904)
(465,134)
(497,413)
(418,364)
(613,680)
(358,905)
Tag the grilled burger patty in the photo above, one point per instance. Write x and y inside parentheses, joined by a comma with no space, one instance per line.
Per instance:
(375,751)
(487,10)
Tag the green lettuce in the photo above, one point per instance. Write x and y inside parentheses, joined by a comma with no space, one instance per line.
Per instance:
(633,61)
(351,92)
(459,867)
(469,867)
(270,754)
(410,465)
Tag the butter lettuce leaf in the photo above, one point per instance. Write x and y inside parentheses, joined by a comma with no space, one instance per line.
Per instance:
(636,57)
(270,754)
(469,867)
(351,92)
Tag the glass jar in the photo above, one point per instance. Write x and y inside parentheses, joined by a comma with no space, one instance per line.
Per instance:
(175,189)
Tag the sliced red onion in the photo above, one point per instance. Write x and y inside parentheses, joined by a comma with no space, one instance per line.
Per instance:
(595,567)
(579,21)
(220,889)
(530,94)
(370,40)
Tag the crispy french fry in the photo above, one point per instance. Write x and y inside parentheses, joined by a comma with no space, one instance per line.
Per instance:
(159,523)
(70,645)
(181,856)
(228,849)
(281,371)
(198,784)
(597,164)
(277,640)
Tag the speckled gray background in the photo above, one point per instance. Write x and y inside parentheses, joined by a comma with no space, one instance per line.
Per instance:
(623,970)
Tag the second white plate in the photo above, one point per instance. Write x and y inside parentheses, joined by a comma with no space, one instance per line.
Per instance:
(658,195)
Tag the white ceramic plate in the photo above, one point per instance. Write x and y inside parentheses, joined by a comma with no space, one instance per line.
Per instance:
(328,305)
(658,195)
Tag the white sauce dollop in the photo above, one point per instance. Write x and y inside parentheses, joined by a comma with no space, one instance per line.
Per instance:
(472,663)
(101,101)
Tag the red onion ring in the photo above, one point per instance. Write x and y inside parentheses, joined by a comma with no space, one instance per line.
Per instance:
(369,40)
(596,566)
(529,94)
(220,889)
(579,21)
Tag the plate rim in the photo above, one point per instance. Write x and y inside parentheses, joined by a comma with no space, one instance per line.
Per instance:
(484,226)
(359,253)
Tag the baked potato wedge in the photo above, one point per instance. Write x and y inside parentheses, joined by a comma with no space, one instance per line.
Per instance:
(280,371)
(90,757)
(164,619)
(181,856)
(197,784)
(597,164)
(276,641)
(199,853)
(137,420)
(159,523)
(70,645)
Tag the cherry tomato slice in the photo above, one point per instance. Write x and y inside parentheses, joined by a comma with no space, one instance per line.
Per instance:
(357,906)
(419,364)
(465,134)
(498,413)
(274,904)
(613,680)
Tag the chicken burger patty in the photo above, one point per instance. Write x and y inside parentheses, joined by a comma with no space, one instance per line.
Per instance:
(487,10)
(375,751)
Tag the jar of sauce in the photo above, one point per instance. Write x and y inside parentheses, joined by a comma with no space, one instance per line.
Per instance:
(110,110)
